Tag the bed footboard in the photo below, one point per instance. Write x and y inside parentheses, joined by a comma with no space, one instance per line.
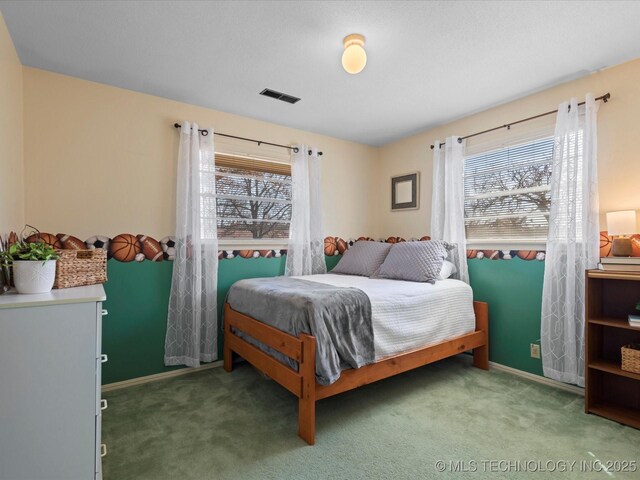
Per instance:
(303,350)
(302,383)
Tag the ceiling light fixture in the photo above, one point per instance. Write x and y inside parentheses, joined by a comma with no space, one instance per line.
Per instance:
(354,57)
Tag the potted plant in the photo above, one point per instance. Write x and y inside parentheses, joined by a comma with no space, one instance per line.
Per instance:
(34,266)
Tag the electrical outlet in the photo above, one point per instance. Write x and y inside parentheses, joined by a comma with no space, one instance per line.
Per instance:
(535,350)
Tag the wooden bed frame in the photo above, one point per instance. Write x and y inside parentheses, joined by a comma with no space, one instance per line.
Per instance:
(303,350)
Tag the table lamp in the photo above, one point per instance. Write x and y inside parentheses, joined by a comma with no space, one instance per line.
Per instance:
(620,224)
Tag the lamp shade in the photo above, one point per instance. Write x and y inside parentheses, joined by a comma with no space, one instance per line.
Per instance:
(354,57)
(622,222)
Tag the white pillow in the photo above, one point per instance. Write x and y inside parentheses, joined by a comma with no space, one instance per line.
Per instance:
(447,270)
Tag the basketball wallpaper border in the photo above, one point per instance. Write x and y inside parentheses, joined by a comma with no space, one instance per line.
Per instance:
(126,247)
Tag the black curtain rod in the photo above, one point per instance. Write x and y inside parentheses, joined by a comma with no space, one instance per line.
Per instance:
(605,98)
(259,142)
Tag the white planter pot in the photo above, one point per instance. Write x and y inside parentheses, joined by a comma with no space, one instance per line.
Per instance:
(31,276)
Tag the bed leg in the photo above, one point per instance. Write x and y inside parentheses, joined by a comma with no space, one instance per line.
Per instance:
(227,354)
(481,354)
(307,400)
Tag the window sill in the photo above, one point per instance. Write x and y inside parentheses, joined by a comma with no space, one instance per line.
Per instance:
(257,245)
(506,245)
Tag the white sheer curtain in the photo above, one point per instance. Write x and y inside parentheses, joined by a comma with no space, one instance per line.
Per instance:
(192,323)
(572,244)
(305,255)
(447,206)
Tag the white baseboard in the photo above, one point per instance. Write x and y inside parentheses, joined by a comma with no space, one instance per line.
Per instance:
(537,378)
(159,376)
(185,371)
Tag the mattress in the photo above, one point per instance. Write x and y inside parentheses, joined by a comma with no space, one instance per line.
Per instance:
(410,315)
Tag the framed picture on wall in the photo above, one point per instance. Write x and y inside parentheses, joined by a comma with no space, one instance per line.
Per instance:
(404,192)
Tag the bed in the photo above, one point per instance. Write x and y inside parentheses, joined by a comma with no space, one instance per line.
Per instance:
(413,324)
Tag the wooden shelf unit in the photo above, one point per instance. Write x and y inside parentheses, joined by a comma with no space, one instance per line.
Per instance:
(610,391)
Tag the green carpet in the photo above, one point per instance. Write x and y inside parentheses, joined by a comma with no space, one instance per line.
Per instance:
(242,426)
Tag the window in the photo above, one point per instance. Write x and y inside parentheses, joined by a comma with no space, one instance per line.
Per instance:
(507,193)
(252,199)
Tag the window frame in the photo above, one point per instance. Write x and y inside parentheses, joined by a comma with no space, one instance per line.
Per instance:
(249,243)
(510,243)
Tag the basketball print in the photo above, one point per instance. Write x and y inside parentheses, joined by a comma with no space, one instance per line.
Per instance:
(341,245)
(124,247)
(472,253)
(635,245)
(425,238)
(330,246)
(69,242)
(151,248)
(605,244)
(47,238)
(526,254)
(246,253)
(365,239)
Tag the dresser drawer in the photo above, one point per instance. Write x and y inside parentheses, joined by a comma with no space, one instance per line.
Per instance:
(98,452)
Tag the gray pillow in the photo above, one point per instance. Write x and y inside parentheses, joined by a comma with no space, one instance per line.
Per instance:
(363,258)
(415,261)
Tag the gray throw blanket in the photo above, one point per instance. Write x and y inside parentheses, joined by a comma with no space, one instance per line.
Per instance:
(339,318)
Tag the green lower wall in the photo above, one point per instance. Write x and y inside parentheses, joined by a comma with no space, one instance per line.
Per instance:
(133,331)
(137,298)
(138,294)
(513,290)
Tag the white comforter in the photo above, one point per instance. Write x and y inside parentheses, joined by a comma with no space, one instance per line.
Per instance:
(410,315)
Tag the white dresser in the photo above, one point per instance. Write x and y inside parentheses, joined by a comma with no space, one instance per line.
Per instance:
(50,364)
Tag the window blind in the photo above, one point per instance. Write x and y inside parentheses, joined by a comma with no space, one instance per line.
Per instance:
(252,198)
(507,193)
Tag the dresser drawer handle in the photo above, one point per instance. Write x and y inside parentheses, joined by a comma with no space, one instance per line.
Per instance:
(104,312)
(104,358)
(103,450)
(103,404)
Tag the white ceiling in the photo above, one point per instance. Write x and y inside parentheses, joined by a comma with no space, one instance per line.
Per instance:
(428,62)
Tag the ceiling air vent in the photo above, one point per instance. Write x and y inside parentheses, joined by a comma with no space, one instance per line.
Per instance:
(267,92)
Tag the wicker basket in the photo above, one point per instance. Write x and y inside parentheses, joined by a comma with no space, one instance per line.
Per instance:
(75,268)
(631,358)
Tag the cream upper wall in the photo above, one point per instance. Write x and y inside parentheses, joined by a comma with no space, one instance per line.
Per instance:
(102,160)
(618,153)
(11,141)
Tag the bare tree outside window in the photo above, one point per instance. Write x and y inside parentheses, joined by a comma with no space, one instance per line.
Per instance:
(507,192)
(252,205)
